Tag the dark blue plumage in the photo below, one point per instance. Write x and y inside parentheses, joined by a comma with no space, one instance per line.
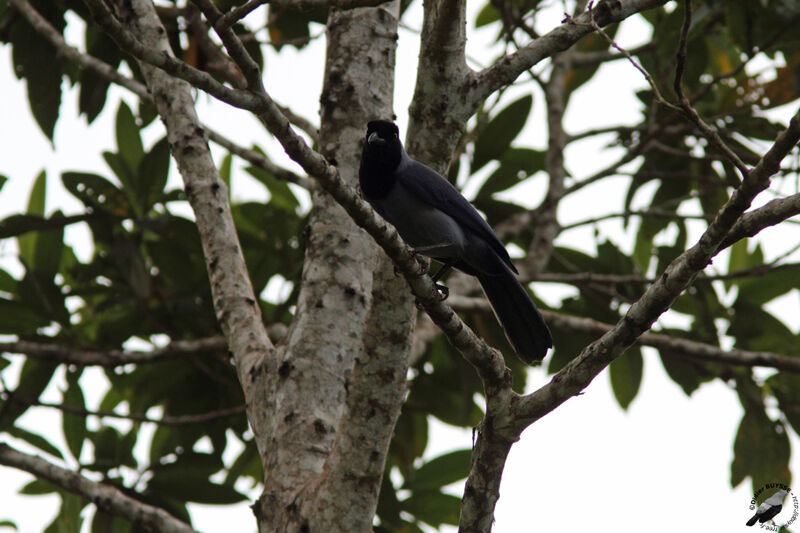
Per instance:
(437,221)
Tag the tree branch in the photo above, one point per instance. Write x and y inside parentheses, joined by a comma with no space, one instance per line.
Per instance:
(772,213)
(235,304)
(106,71)
(675,346)
(257,159)
(166,420)
(107,498)
(113,358)
(45,29)
(683,102)
(659,296)
(504,71)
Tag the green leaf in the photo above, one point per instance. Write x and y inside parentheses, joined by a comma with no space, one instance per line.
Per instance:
(281,194)
(33,379)
(757,330)
(495,138)
(682,371)
(38,487)
(433,507)
(441,471)
(3,180)
(785,386)
(567,345)
(410,439)
(187,479)
(103,522)
(112,449)
(626,376)
(15,225)
(760,451)
(129,143)
(152,175)
(247,464)
(487,15)
(762,288)
(7,283)
(131,265)
(42,77)
(69,518)
(591,43)
(18,319)
(93,87)
(124,173)
(49,249)
(36,207)
(74,425)
(515,165)
(9,524)
(290,26)
(98,193)
(34,440)
(225,167)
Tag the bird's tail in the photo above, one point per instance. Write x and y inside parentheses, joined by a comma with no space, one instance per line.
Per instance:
(753,520)
(522,322)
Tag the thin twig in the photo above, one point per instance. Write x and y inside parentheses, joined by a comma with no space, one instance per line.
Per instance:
(112,358)
(107,498)
(686,107)
(236,14)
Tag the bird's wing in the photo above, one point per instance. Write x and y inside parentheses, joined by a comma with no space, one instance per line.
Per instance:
(777,498)
(764,507)
(431,187)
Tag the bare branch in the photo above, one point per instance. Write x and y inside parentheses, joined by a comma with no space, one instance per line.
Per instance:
(588,59)
(671,345)
(107,498)
(770,214)
(259,160)
(654,213)
(659,296)
(166,420)
(112,358)
(44,28)
(593,24)
(235,304)
(238,13)
(202,80)
(683,102)
(41,25)
(481,84)
(589,278)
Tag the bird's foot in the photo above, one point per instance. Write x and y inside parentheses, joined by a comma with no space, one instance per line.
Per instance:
(424,265)
(444,291)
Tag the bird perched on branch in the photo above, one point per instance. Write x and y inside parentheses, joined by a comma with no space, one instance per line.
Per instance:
(434,219)
(769,509)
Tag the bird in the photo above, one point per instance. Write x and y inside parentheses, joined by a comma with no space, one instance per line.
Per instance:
(769,509)
(437,221)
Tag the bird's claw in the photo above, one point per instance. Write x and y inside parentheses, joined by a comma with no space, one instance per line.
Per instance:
(444,291)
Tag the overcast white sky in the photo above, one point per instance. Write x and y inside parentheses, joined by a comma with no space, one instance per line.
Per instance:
(662,465)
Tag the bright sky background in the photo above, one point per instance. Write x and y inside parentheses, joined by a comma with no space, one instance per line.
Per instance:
(663,465)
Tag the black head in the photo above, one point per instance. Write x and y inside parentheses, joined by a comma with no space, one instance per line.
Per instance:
(380,158)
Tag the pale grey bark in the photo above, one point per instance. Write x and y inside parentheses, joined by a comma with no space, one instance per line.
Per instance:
(311,481)
(105,497)
(323,405)
(237,309)
(659,296)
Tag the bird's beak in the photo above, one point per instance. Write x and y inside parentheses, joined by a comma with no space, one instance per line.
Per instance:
(375,138)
